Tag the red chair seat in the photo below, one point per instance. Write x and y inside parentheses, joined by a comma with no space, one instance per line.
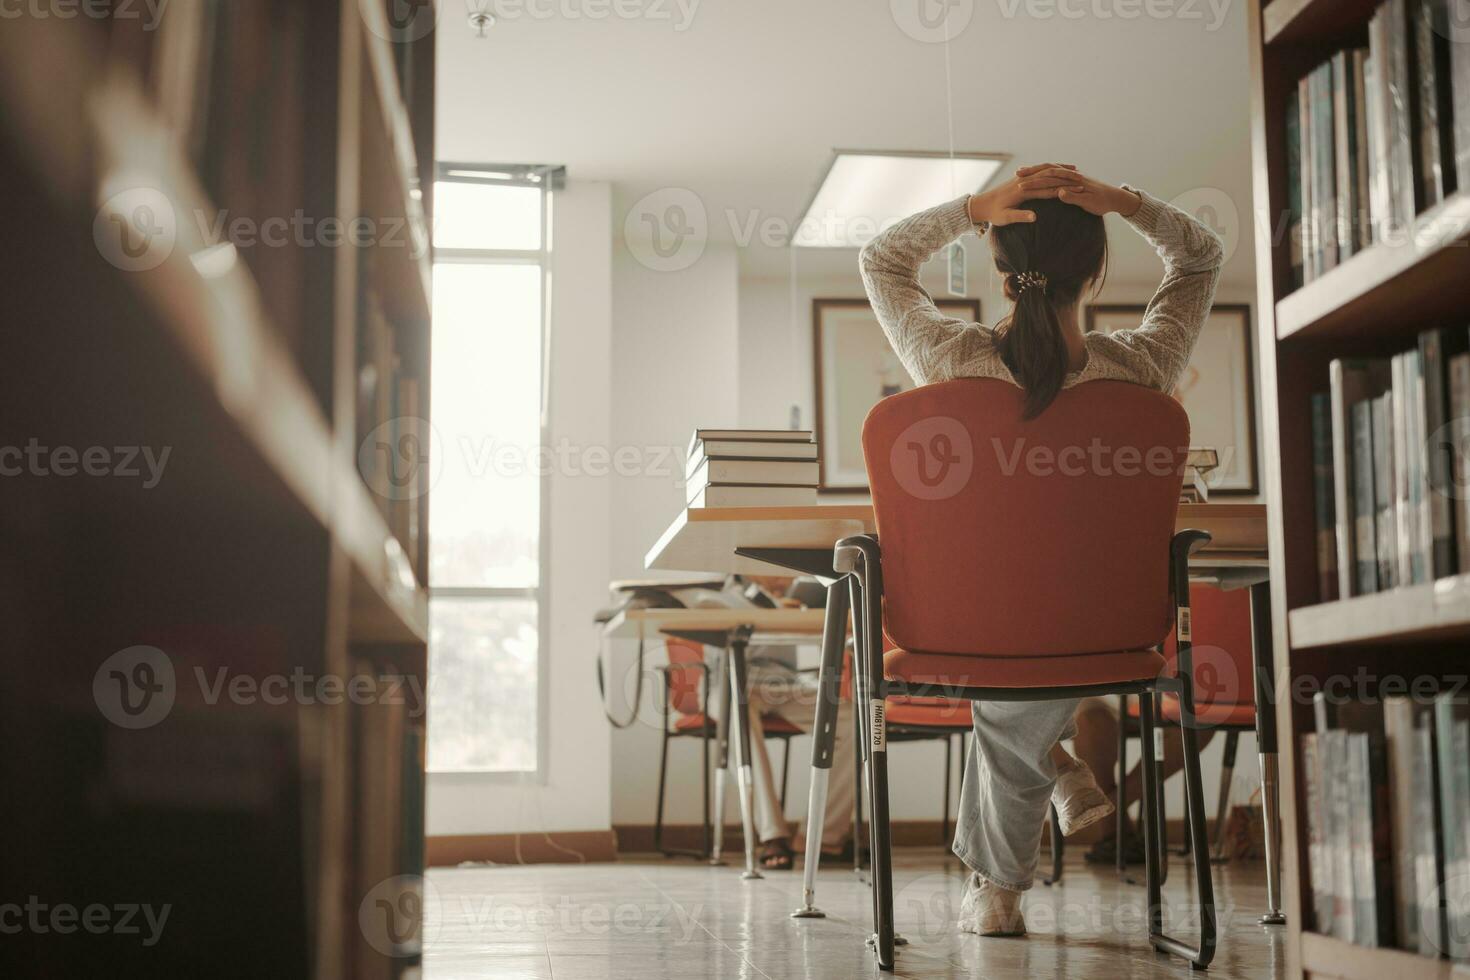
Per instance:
(928,712)
(1022,672)
(1210,715)
(771,725)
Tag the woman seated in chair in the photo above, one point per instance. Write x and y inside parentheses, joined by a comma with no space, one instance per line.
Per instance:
(1047,238)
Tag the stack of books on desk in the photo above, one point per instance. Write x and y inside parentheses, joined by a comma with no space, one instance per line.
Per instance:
(751,468)
(1199,462)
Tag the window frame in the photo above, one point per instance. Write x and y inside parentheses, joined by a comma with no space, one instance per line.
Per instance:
(546,179)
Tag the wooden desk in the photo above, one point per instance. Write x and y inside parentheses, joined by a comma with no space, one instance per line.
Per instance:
(766,625)
(704,539)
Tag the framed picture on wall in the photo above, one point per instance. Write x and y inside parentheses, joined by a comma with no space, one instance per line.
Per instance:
(855,367)
(1217,390)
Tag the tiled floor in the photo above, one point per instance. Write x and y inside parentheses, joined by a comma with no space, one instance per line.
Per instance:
(654,918)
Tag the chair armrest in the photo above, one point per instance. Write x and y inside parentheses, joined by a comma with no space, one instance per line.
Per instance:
(849,555)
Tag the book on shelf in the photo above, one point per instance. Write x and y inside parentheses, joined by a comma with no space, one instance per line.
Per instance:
(1385,515)
(1354,770)
(1435,128)
(1452,736)
(1295,231)
(1373,135)
(1318,842)
(1390,483)
(1324,498)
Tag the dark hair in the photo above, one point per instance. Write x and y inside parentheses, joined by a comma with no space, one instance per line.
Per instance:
(1069,247)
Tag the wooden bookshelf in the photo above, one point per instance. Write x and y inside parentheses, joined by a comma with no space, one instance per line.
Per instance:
(1417,613)
(266,549)
(1373,304)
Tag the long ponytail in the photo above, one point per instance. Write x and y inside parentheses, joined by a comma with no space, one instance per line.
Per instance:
(1032,346)
(1047,263)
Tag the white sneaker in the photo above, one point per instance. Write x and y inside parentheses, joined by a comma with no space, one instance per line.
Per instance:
(1079,801)
(990,910)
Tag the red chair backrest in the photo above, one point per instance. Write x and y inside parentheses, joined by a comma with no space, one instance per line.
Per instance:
(1026,538)
(685,677)
(1222,650)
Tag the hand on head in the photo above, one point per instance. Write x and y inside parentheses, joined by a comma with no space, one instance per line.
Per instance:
(1001,205)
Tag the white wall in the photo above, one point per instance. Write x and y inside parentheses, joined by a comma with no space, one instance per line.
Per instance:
(575,793)
(676,339)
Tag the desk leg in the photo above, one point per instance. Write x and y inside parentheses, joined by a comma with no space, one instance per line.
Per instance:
(722,755)
(824,739)
(745,782)
(1266,745)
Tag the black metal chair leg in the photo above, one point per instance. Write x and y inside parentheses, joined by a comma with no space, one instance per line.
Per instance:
(1056,848)
(1153,880)
(658,817)
(709,829)
(869,689)
(1222,810)
(785,773)
(948,765)
(1120,822)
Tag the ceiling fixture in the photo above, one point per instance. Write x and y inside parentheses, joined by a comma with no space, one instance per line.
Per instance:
(865,191)
(481,19)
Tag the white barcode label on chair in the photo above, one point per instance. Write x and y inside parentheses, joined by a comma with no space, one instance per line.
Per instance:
(876,711)
(1185,635)
(1158,746)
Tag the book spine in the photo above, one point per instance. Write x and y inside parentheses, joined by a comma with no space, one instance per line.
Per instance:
(1421,545)
(1452,737)
(1324,181)
(1403,512)
(1365,508)
(1380,196)
(1294,236)
(1426,73)
(1317,861)
(1380,845)
(1382,465)
(1459,473)
(1344,500)
(1343,899)
(1311,234)
(1342,154)
(1439,450)
(1398,719)
(1459,84)
(1428,838)
(1403,108)
(1361,153)
(1322,474)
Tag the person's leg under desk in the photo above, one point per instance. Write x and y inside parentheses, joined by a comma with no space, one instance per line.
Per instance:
(1007,787)
(797,703)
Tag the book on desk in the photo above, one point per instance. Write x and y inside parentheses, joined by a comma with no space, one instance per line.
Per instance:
(751,468)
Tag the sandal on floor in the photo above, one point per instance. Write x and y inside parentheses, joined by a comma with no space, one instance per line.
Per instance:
(841,858)
(776,855)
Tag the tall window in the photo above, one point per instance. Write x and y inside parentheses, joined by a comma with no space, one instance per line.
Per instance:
(485,514)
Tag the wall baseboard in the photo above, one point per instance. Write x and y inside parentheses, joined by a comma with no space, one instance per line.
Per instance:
(556,847)
(638,838)
(597,846)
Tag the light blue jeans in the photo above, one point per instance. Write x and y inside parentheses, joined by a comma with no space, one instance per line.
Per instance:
(1007,787)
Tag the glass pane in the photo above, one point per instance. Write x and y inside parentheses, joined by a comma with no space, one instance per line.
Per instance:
(486,216)
(482,685)
(484,516)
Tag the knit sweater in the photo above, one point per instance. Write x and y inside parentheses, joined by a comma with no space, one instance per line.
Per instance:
(934,347)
